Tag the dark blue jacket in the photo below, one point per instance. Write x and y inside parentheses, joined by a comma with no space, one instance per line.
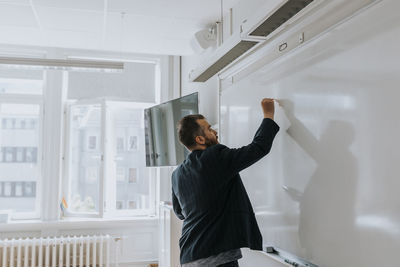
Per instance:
(208,194)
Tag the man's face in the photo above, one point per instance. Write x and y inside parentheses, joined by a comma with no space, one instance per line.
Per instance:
(210,135)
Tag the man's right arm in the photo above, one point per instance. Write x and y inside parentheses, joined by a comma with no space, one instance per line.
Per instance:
(235,160)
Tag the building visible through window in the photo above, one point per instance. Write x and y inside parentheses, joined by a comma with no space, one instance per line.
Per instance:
(19,147)
(125,165)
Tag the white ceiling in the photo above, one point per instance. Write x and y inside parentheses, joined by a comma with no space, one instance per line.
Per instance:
(140,26)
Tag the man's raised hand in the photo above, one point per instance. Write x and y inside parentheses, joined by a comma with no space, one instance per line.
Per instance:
(268,107)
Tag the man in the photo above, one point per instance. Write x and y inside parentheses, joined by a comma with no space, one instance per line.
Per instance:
(208,193)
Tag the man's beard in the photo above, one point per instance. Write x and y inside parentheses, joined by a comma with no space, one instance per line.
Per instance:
(210,142)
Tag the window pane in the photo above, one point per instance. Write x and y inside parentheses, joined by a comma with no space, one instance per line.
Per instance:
(29,82)
(85,158)
(132,176)
(19,156)
(136,82)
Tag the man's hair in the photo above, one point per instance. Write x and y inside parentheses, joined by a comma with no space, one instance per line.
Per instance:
(188,129)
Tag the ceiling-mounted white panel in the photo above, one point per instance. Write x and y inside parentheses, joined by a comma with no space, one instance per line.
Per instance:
(73,39)
(15,2)
(151,26)
(142,31)
(189,9)
(17,15)
(149,46)
(21,35)
(164,27)
(70,19)
(71,4)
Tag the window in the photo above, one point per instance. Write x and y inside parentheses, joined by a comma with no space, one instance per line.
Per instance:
(21,142)
(84,164)
(127,124)
(20,170)
(21,86)
(106,161)
(92,142)
(97,180)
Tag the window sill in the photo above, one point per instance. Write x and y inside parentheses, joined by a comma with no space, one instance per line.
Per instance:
(78,223)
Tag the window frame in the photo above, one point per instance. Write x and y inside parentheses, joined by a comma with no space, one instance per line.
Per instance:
(107,200)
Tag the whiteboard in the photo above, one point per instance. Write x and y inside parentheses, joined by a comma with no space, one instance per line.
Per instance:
(328,191)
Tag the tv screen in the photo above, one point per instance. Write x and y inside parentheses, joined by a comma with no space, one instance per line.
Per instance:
(162,143)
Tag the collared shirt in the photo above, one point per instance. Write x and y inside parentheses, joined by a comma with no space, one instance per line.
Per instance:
(216,260)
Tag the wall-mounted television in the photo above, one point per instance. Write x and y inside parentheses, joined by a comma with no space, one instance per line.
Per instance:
(162,143)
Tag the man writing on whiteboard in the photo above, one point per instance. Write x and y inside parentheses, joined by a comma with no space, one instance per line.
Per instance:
(208,193)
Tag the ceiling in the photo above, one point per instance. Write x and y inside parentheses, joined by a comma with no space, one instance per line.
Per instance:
(139,26)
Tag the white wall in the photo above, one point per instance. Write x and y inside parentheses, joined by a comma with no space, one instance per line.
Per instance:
(139,244)
(208,91)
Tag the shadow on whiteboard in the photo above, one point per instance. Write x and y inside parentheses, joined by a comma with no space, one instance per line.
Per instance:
(327,205)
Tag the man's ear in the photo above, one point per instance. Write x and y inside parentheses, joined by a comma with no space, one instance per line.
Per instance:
(200,140)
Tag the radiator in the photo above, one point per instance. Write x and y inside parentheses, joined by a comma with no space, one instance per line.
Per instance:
(56,251)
